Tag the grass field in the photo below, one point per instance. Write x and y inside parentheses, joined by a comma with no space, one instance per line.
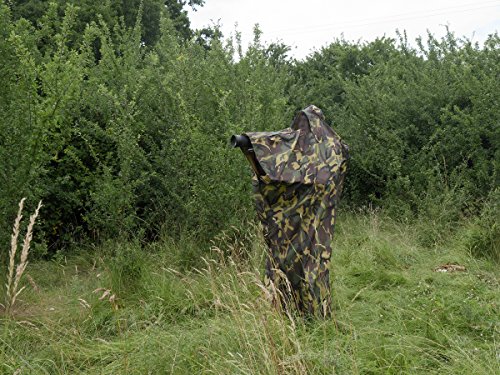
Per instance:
(120,309)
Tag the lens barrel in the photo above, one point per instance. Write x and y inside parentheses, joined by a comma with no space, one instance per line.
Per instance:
(239,140)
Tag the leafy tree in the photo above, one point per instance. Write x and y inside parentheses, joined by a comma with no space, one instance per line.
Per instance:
(180,17)
(134,142)
(111,11)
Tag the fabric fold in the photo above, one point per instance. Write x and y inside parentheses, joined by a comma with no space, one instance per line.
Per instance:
(296,201)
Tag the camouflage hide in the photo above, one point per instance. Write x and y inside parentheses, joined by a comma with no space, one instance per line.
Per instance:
(296,199)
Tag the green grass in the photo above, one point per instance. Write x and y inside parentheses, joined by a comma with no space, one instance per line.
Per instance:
(393,314)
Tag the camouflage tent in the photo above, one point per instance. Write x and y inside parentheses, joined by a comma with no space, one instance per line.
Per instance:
(298,178)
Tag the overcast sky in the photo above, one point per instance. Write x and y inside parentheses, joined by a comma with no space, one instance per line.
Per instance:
(307,25)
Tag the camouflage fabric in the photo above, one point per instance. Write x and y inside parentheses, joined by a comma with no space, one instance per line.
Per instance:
(296,199)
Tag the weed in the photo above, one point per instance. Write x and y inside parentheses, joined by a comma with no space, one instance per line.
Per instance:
(13,279)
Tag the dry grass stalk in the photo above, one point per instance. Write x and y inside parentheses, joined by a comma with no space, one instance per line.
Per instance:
(14,279)
(13,250)
(32,282)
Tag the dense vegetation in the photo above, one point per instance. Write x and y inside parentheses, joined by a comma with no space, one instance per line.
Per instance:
(117,115)
(120,137)
(122,132)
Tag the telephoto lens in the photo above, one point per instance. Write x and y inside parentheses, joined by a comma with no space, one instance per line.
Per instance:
(241,141)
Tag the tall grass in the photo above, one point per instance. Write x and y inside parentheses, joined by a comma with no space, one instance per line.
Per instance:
(393,313)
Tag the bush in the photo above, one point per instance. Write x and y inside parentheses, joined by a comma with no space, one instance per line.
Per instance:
(123,137)
(420,122)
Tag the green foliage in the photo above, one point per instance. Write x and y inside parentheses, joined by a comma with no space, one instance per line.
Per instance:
(422,124)
(113,12)
(179,16)
(118,117)
(123,140)
(482,237)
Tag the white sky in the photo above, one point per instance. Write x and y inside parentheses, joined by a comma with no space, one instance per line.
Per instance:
(307,25)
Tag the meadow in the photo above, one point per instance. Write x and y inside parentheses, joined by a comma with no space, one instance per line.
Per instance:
(145,256)
(120,308)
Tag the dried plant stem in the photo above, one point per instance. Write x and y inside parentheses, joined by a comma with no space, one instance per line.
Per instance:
(12,253)
(14,279)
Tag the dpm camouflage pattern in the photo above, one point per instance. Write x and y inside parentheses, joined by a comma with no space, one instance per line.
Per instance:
(296,199)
